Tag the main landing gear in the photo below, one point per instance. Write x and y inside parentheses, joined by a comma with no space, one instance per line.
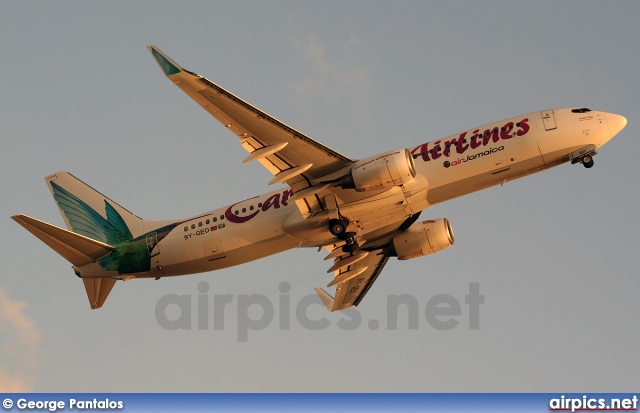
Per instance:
(338,228)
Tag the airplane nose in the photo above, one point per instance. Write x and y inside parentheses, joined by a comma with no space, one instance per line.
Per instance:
(616,123)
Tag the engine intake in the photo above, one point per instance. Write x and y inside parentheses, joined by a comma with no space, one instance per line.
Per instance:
(422,238)
(393,168)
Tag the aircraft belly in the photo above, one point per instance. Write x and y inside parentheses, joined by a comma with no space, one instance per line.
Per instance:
(559,156)
(232,256)
(390,203)
(378,217)
(460,187)
(365,215)
(224,245)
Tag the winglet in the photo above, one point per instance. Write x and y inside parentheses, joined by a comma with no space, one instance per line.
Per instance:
(168,66)
(327,300)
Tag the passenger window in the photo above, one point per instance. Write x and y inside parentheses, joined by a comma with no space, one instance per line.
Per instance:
(207,222)
(244,209)
(259,204)
(200,223)
(215,219)
(193,226)
(251,207)
(186,228)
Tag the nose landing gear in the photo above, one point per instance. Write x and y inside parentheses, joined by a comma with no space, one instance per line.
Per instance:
(584,156)
(587,161)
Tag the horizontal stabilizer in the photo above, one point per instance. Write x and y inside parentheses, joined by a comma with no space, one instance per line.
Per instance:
(75,248)
(97,290)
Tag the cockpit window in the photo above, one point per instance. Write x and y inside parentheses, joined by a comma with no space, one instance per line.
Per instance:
(581,110)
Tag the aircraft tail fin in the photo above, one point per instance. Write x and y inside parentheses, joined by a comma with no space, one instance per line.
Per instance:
(78,203)
(98,290)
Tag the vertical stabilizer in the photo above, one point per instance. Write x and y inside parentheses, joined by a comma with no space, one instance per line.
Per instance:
(89,213)
(97,290)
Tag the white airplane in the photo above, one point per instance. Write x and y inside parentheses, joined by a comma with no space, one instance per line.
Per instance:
(361,211)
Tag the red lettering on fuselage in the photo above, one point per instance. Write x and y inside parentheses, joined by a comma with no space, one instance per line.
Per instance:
(285,196)
(433,150)
(274,201)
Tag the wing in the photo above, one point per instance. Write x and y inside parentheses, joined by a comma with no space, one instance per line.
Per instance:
(354,274)
(289,155)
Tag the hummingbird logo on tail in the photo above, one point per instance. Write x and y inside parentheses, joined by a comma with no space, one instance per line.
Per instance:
(131,255)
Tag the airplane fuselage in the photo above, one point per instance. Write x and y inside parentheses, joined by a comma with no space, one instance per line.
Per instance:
(446,168)
(361,211)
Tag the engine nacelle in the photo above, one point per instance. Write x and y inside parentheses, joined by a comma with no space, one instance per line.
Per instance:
(393,168)
(422,238)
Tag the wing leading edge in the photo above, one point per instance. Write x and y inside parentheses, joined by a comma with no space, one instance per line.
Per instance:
(288,154)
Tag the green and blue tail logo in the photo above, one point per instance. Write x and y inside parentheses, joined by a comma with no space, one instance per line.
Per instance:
(86,221)
(132,255)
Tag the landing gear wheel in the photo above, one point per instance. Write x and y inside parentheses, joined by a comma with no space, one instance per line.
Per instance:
(587,161)
(350,243)
(337,227)
(347,236)
(350,247)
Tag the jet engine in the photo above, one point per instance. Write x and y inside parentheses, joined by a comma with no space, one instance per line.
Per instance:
(422,238)
(393,168)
